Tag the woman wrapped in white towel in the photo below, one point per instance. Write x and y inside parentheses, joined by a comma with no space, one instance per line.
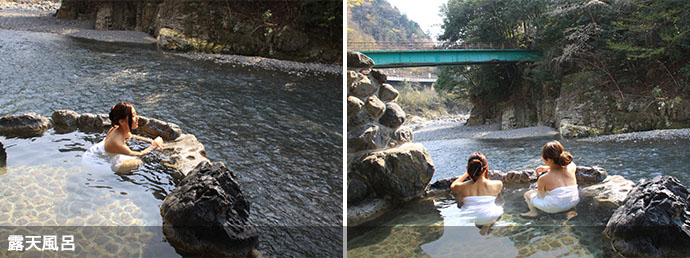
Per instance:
(478,195)
(557,189)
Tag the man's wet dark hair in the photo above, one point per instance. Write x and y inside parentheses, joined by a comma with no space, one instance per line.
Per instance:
(122,110)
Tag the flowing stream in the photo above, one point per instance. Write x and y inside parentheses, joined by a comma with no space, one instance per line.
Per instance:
(280,132)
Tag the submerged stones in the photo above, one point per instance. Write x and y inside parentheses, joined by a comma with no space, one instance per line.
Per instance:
(654,220)
(207,214)
(24,125)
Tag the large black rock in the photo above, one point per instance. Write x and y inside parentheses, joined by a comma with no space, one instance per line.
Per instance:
(207,215)
(654,220)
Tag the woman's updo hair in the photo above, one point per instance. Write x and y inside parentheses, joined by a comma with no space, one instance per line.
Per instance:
(122,110)
(554,151)
(477,165)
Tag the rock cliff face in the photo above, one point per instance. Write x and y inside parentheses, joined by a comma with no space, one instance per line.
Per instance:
(384,167)
(578,113)
(275,29)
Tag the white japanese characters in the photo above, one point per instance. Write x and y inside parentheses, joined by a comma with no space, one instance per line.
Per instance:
(40,243)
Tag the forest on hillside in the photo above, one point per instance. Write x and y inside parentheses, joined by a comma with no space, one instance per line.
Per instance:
(613,46)
(378,21)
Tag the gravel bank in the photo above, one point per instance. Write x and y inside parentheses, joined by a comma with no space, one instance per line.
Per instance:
(39,17)
(300,69)
(433,132)
(669,134)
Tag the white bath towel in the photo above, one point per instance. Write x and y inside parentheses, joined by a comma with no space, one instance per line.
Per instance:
(557,200)
(482,209)
(97,158)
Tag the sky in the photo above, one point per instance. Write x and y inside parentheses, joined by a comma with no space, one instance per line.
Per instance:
(424,12)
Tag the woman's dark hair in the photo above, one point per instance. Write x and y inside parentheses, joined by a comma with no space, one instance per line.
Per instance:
(122,110)
(554,151)
(477,165)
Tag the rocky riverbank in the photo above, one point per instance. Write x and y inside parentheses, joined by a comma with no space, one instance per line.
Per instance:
(40,17)
(442,130)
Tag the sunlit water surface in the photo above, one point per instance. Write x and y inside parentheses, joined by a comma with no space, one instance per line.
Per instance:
(279,132)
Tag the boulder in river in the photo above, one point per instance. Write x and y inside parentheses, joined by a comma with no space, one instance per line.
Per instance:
(611,192)
(93,122)
(172,40)
(24,125)
(154,128)
(401,173)
(590,175)
(207,215)
(65,118)
(654,220)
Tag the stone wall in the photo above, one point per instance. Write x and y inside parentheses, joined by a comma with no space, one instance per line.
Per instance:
(384,166)
(257,28)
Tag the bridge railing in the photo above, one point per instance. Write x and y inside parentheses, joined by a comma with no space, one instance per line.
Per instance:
(363,46)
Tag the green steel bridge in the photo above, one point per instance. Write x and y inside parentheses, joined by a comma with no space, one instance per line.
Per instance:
(415,54)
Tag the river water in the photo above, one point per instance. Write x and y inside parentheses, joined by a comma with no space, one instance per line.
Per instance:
(280,132)
(433,227)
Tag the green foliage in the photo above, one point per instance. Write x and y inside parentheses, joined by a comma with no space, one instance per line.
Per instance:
(623,44)
(379,21)
(422,101)
(512,22)
(322,16)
